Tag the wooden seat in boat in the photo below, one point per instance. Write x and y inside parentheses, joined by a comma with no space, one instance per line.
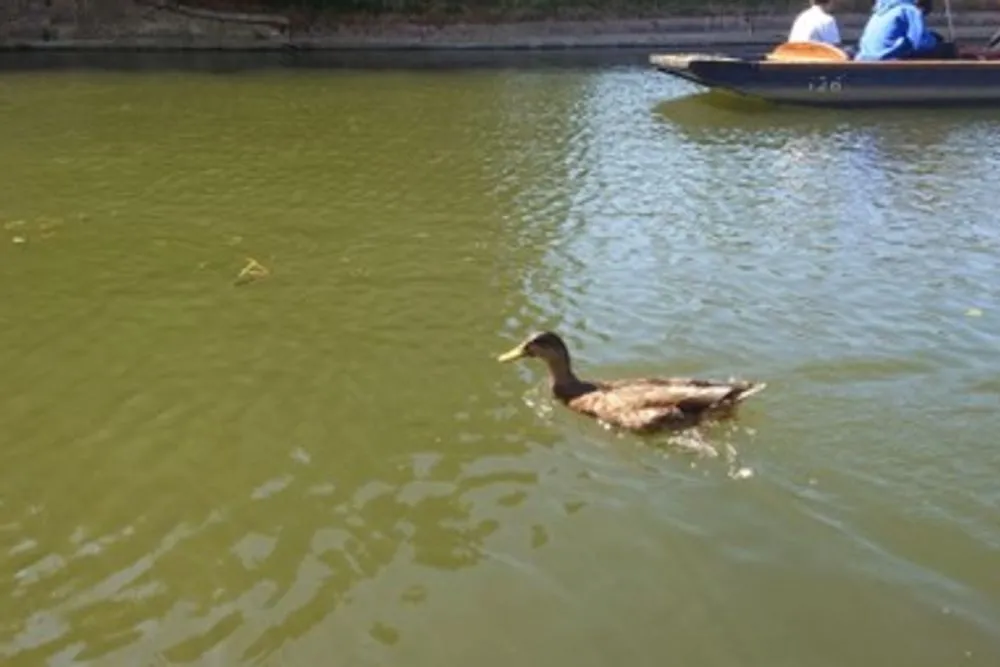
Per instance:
(807,52)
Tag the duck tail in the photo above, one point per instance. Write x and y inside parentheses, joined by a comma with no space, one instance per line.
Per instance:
(744,391)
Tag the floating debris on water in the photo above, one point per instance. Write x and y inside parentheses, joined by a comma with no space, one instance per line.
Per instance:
(253,270)
(974,312)
(42,227)
(741,473)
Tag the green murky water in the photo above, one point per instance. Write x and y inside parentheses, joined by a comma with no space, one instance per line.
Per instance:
(327,466)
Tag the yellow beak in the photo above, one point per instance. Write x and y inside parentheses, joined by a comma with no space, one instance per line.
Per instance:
(513,355)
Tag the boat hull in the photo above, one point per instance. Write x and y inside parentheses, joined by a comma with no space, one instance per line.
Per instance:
(846,84)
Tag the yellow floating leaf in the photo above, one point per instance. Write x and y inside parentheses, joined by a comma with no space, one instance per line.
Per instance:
(253,270)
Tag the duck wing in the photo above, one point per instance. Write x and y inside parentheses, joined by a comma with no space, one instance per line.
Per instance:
(647,403)
(660,392)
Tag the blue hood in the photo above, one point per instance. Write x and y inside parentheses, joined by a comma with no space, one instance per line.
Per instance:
(895,30)
(882,6)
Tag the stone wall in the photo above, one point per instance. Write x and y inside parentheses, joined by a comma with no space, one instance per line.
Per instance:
(166,24)
(153,22)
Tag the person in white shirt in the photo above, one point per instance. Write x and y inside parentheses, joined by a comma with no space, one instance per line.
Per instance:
(815,25)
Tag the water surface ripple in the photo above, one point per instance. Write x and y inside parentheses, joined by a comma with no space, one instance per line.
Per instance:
(327,466)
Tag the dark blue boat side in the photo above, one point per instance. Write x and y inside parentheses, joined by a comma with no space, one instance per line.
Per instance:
(848,83)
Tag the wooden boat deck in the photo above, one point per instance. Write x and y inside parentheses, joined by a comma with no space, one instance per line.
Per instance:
(682,61)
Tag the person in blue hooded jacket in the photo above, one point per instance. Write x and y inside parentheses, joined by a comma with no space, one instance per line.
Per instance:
(897,30)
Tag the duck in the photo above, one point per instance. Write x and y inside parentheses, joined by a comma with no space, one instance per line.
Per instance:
(640,405)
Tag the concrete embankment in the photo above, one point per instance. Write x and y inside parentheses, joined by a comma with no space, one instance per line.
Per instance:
(162,25)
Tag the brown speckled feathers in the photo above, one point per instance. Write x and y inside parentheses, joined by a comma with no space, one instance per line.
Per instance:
(638,404)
